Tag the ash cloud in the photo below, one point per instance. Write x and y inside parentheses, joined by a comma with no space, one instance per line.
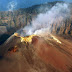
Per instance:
(43,22)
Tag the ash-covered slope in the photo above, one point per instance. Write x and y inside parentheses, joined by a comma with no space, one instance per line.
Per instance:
(42,55)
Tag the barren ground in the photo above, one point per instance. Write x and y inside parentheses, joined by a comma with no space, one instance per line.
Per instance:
(42,55)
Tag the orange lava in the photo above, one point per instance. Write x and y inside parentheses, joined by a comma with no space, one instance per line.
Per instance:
(13,49)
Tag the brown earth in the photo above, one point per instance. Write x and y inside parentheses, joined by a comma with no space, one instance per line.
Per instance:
(39,56)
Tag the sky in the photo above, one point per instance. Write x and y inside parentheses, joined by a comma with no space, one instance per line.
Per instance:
(16,4)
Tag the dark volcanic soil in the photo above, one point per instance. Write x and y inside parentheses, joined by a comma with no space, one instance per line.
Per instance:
(42,55)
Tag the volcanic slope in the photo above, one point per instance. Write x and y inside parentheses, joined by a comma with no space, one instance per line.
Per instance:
(43,54)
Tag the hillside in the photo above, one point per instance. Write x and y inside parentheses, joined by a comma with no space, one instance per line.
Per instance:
(43,54)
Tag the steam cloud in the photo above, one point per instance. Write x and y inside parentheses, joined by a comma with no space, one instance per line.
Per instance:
(11,5)
(43,22)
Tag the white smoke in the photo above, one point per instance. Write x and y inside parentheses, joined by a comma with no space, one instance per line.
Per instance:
(43,22)
(12,5)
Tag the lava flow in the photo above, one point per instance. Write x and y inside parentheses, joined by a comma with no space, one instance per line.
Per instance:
(13,49)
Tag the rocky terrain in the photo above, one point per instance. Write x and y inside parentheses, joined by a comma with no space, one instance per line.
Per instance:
(49,53)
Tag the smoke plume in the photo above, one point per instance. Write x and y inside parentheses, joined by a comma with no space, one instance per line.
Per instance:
(43,22)
(11,5)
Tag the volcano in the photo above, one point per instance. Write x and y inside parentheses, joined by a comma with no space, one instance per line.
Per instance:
(40,54)
(37,39)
